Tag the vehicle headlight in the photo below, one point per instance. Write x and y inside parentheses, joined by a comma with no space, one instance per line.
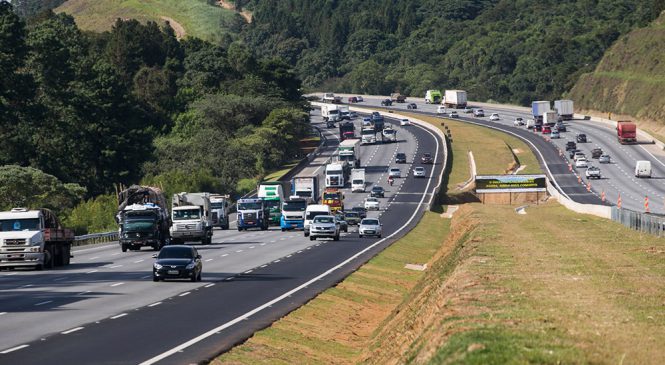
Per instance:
(191,265)
(157,266)
(35,249)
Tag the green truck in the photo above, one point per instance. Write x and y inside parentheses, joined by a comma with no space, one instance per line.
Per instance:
(272,194)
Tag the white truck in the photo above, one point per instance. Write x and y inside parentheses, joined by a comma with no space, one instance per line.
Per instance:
(389,135)
(33,238)
(538,109)
(358,180)
(192,218)
(331,115)
(455,99)
(550,118)
(643,169)
(219,205)
(306,187)
(564,108)
(368,135)
(331,98)
(349,151)
(335,175)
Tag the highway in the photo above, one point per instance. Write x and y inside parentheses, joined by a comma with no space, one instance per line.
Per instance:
(105,309)
(617,177)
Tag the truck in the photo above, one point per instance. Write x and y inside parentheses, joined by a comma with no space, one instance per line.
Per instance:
(33,238)
(455,99)
(626,132)
(643,169)
(334,198)
(219,204)
(252,213)
(433,97)
(192,218)
(306,187)
(349,152)
(564,108)
(550,118)
(272,194)
(336,175)
(293,214)
(378,121)
(358,180)
(331,98)
(347,130)
(538,109)
(344,113)
(330,114)
(143,218)
(397,98)
(389,135)
(368,135)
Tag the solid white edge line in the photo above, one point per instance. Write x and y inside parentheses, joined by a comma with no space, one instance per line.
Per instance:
(154,304)
(14,349)
(119,315)
(297,289)
(72,330)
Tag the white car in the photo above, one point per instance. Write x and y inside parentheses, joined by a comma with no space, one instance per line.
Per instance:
(324,226)
(555,134)
(394,172)
(367,122)
(467,110)
(389,135)
(518,122)
(372,204)
(453,114)
(440,109)
(419,172)
(359,99)
(494,117)
(579,155)
(404,122)
(581,163)
(370,227)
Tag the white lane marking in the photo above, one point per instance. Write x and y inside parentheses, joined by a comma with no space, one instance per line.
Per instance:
(114,266)
(208,260)
(60,278)
(119,316)
(10,274)
(93,258)
(117,284)
(262,266)
(13,349)
(26,286)
(154,304)
(209,285)
(45,302)
(115,254)
(3,313)
(185,293)
(137,261)
(252,247)
(71,330)
(289,256)
(277,261)
(263,244)
(145,277)
(239,251)
(224,255)
(91,271)
(248,271)
(84,292)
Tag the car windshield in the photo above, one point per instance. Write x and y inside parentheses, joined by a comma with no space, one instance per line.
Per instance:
(372,200)
(176,253)
(28,224)
(351,215)
(249,206)
(426,155)
(297,206)
(272,203)
(179,215)
(370,222)
(394,170)
(324,219)
(377,188)
(420,169)
(400,155)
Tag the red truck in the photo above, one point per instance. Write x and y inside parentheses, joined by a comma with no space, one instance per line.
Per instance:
(626,132)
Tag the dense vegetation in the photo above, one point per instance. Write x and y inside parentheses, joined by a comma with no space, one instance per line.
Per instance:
(135,104)
(506,50)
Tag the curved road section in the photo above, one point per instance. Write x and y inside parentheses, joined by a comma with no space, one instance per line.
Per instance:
(105,309)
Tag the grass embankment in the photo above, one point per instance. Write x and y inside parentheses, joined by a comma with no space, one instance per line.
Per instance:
(197,17)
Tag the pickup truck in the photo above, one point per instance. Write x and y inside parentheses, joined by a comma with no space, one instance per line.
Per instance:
(592,172)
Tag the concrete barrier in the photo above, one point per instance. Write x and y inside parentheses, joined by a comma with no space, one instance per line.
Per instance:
(602,211)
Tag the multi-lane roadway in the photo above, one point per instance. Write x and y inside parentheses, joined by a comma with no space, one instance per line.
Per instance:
(105,309)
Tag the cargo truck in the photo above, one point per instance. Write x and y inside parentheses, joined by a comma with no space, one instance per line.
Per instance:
(334,198)
(397,98)
(626,132)
(293,214)
(433,97)
(252,213)
(331,115)
(349,152)
(550,118)
(143,218)
(455,99)
(306,187)
(335,175)
(538,110)
(377,121)
(272,194)
(564,108)
(33,238)
(192,218)
(347,130)
(368,135)
(220,205)
(358,180)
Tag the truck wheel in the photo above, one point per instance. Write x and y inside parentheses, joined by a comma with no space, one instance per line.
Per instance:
(312,238)
(48,257)
(239,229)
(306,233)
(124,248)
(225,227)
(283,229)
(336,238)
(66,255)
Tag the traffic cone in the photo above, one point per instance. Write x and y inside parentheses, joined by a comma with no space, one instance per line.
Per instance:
(602,196)
(588,186)
(646,204)
(619,201)
(570,167)
(579,179)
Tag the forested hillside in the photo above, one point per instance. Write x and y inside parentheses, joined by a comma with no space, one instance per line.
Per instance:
(134,104)
(506,50)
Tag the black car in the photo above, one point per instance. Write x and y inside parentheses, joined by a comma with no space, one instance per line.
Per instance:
(570,145)
(377,192)
(386,102)
(412,106)
(352,218)
(560,127)
(581,138)
(427,158)
(400,157)
(362,212)
(596,152)
(177,262)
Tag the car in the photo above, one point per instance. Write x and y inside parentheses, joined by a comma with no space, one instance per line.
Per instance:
(578,155)
(367,122)
(394,172)
(467,110)
(596,152)
(372,203)
(546,130)
(359,99)
(581,162)
(518,122)
(352,218)
(370,227)
(400,157)
(570,145)
(404,122)
(494,117)
(560,127)
(592,172)
(478,113)
(177,262)
(353,99)
(324,226)
(389,135)
(426,158)
(555,134)
(419,171)
(377,192)
(572,153)
(343,224)
(604,159)
(362,212)
(453,114)
(386,102)
(441,109)
(411,106)
(353,115)
(580,138)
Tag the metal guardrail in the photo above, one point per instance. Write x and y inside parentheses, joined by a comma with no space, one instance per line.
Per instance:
(87,239)
(644,222)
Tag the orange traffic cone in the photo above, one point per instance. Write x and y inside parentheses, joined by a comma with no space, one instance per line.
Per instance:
(602,196)
(646,204)
(619,201)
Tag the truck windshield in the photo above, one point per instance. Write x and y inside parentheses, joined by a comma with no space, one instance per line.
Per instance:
(330,196)
(139,225)
(249,206)
(272,204)
(369,132)
(180,215)
(304,194)
(357,181)
(294,206)
(333,172)
(27,224)
(219,205)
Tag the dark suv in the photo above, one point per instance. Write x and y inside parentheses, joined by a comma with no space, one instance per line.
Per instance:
(581,138)
(570,145)
(386,102)
(377,192)
(400,157)
(427,158)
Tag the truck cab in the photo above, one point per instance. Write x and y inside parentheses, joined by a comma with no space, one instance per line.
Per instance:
(433,97)
(334,198)
(252,213)
(335,177)
(293,214)
(272,195)
(140,226)
(192,218)
(368,135)
(219,205)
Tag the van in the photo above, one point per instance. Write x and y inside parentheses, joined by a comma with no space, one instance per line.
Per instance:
(441,109)
(312,211)
(530,123)
(643,169)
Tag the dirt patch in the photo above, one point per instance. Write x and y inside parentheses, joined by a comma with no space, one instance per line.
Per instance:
(179,30)
(246,14)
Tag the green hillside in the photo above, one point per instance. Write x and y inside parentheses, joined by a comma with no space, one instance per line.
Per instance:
(630,79)
(199,18)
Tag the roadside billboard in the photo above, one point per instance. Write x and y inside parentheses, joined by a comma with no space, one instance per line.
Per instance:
(510,183)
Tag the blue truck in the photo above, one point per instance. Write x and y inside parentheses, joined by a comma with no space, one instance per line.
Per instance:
(253,213)
(378,121)
(293,214)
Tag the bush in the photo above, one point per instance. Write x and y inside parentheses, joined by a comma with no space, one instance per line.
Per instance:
(94,215)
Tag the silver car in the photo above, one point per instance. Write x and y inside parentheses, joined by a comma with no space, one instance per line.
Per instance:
(324,226)
(395,172)
(370,227)
(419,171)
(604,159)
